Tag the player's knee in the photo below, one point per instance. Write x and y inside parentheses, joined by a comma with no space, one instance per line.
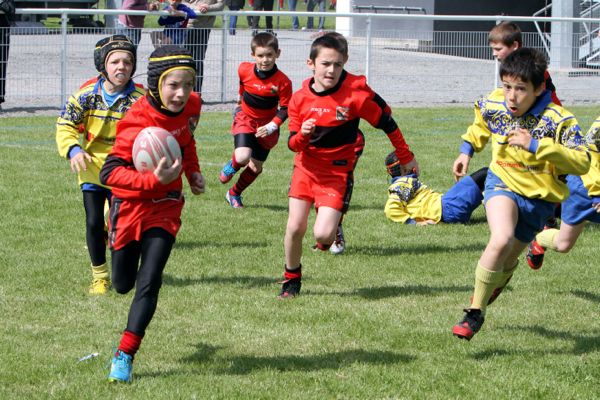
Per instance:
(94,224)
(122,286)
(500,242)
(296,229)
(324,237)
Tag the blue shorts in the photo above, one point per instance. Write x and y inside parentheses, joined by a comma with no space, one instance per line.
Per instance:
(533,213)
(578,206)
(460,201)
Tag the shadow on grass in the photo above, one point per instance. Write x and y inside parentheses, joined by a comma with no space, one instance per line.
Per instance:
(586,295)
(246,364)
(204,354)
(415,249)
(377,293)
(271,207)
(246,281)
(581,344)
(223,244)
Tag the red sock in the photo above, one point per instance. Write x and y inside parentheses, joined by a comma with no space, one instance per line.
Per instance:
(293,273)
(130,343)
(234,163)
(323,247)
(245,180)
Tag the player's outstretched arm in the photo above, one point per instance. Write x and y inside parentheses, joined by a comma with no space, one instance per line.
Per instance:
(461,166)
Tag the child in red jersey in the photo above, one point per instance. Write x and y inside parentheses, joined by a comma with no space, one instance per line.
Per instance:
(264,93)
(505,38)
(324,118)
(146,207)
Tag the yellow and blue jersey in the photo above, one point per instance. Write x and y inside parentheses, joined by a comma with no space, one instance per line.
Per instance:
(560,148)
(591,180)
(87,109)
(410,201)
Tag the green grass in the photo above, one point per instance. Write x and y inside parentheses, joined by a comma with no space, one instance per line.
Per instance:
(373,323)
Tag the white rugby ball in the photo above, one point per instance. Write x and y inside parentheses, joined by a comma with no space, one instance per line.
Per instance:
(152,144)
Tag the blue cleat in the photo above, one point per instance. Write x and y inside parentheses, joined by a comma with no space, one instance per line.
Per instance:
(234,201)
(121,368)
(227,172)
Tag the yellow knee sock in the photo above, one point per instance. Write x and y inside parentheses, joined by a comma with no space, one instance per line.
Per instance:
(507,273)
(546,238)
(100,271)
(485,283)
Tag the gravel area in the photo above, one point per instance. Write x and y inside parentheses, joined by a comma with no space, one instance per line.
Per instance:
(400,73)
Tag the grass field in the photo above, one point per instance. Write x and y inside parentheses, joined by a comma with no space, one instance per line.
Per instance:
(373,323)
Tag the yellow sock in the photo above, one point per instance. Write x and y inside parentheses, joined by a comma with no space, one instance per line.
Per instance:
(546,238)
(485,283)
(507,273)
(100,271)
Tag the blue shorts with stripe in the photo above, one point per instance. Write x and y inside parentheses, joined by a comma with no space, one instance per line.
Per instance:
(533,213)
(577,208)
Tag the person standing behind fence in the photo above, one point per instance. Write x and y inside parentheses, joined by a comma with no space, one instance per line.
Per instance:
(197,38)
(310,6)
(262,5)
(7,14)
(234,5)
(176,23)
(131,25)
(292,7)
(97,107)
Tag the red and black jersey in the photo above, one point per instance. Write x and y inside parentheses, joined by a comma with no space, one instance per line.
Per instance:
(337,112)
(118,170)
(264,94)
(550,86)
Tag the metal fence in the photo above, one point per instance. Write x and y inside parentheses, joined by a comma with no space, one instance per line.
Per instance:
(404,66)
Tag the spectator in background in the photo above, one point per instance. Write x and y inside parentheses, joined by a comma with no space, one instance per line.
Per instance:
(131,25)
(7,14)
(262,5)
(234,5)
(310,6)
(197,38)
(295,21)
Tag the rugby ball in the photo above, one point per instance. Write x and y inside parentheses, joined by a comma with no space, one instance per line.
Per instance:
(152,144)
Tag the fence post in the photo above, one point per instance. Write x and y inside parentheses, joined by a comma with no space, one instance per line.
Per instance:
(496,66)
(368,50)
(224,34)
(63,61)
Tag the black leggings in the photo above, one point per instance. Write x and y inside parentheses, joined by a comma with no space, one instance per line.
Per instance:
(154,250)
(93,202)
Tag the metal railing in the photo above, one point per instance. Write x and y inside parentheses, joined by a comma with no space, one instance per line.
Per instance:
(404,66)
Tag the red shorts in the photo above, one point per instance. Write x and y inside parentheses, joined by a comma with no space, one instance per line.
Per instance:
(242,123)
(130,218)
(330,189)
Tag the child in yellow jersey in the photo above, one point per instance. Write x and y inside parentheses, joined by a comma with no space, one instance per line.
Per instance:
(411,202)
(96,108)
(582,206)
(534,143)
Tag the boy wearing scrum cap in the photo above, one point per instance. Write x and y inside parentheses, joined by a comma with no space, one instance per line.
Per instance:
(146,207)
(85,134)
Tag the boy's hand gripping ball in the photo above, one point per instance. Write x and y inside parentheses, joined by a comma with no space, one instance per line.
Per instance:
(152,144)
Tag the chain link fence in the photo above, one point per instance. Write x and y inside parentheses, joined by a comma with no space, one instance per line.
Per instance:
(405,67)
